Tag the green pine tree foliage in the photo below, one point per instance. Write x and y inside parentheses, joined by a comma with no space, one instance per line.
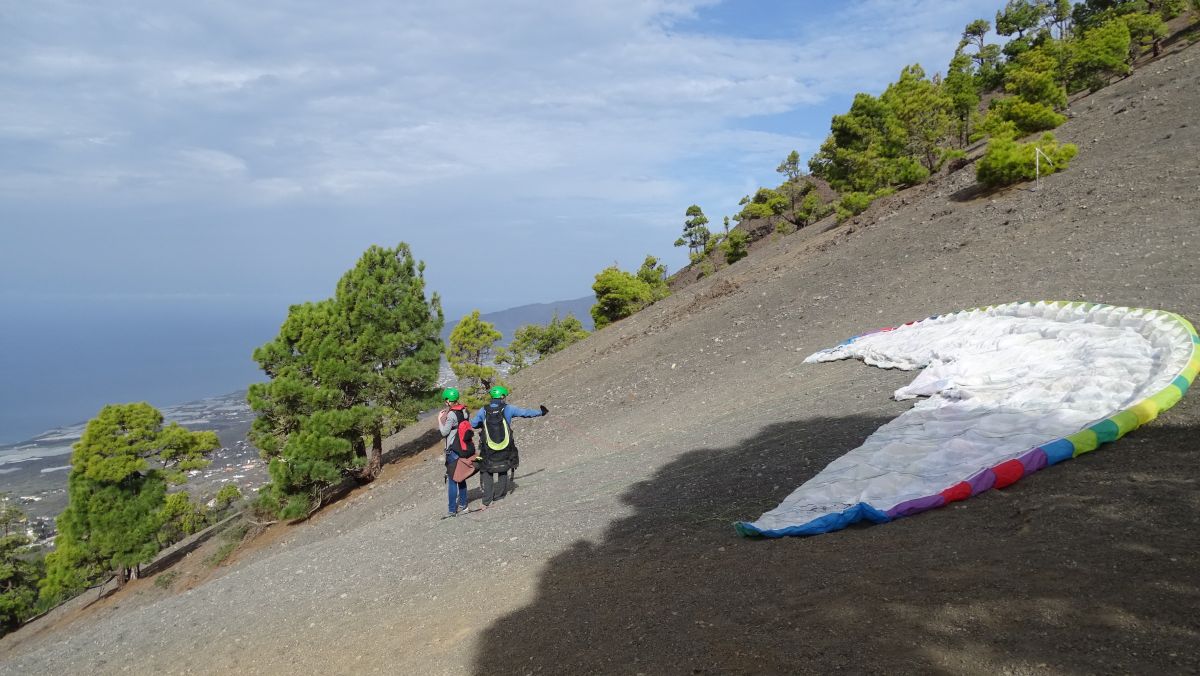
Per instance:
(792,187)
(988,68)
(1006,161)
(619,294)
(471,346)
(1094,13)
(765,204)
(116,490)
(1035,80)
(1037,76)
(963,91)
(308,424)
(1058,18)
(1100,54)
(790,167)
(19,570)
(695,230)
(854,203)
(228,495)
(736,246)
(654,274)
(533,342)
(811,209)
(867,149)
(925,113)
(1022,18)
(396,343)
(180,517)
(344,371)
(1144,29)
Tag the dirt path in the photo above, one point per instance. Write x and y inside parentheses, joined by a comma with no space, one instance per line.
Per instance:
(616,553)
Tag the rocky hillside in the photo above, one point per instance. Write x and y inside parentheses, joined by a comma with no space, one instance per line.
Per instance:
(616,553)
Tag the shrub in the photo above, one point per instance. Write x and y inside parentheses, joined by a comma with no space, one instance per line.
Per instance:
(906,171)
(1023,116)
(956,157)
(853,204)
(1007,161)
(765,203)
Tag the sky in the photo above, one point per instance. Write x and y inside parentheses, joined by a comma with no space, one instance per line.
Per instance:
(247,153)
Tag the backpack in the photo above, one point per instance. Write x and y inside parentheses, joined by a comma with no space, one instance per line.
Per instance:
(462,438)
(495,429)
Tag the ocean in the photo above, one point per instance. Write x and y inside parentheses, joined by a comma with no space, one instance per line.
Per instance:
(62,360)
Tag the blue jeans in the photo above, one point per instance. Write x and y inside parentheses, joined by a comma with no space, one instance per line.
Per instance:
(458,495)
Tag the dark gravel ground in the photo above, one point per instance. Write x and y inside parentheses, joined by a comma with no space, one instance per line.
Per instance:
(616,554)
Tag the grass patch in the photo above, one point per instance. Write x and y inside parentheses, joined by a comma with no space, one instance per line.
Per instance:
(218,557)
(232,537)
(165,580)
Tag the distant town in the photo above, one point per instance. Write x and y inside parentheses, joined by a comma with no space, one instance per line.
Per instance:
(33,473)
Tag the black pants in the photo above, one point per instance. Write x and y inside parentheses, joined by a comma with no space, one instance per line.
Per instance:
(495,485)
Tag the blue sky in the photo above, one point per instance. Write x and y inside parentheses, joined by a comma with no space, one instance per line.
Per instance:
(252,150)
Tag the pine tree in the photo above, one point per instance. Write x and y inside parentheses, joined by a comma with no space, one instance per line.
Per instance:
(695,232)
(1019,16)
(736,246)
(472,343)
(1100,54)
(790,167)
(620,294)
(116,490)
(180,517)
(396,344)
(654,274)
(961,88)
(19,572)
(925,113)
(986,57)
(867,149)
(344,370)
(532,343)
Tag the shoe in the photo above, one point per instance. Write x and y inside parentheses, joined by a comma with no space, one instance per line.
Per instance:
(451,515)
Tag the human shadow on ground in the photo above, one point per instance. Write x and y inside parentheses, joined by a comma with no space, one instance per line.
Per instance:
(1089,566)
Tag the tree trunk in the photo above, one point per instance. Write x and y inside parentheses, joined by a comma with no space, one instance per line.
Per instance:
(374,455)
(122,576)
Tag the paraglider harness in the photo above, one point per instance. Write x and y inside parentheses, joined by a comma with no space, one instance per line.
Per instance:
(462,444)
(499,451)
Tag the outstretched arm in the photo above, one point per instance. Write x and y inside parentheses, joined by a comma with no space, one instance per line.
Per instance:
(477,419)
(518,412)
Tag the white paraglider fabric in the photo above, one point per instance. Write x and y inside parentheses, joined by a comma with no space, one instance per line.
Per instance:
(997,383)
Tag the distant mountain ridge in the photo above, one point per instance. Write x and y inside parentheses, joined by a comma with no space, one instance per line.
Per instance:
(508,321)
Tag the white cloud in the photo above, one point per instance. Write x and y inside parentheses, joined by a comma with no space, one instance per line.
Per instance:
(212,162)
(575,121)
(356,99)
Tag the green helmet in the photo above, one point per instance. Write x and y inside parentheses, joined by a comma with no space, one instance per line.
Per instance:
(450,394)
(498,392)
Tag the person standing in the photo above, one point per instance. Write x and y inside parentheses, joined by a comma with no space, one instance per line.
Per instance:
(458,433)
(498,449)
